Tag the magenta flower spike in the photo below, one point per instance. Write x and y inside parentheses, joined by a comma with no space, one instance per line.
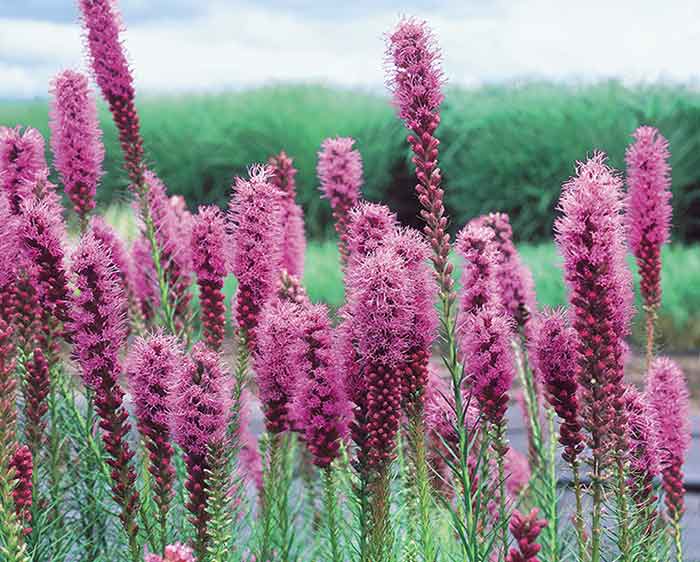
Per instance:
(552,352)
(22,164)
(340,173)
(485,343)
(476,245)
(150,370)
(36,388)
(516,286)
(410,245)
(208,261)
(517,472)
(9,245)
(366,229)
(42,233)
(109,238)
(200,403)
(111,70)
(415,80)
(279,361)
(23,466)
(591,238)
(176,552)
(667,394)
(525,529)
(645,450)
(255,246)
(98,332)
(321,406)
(649,207)
(293,238)
(381,307)
(76,139)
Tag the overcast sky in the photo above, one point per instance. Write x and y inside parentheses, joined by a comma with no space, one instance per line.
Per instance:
(186,45)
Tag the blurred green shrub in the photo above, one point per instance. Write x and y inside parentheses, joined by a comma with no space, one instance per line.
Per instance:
(504,148)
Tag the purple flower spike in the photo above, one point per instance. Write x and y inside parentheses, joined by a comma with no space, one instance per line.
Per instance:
(208,232)
(667,394)
(110,67)
(340,173)
(649,212)
(76,139)
(255,246)
(366,230)
(591,238)
(22,164)
(644,453)
(478,249)
(322,408)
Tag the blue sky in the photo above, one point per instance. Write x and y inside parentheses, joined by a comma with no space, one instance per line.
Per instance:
(205,45)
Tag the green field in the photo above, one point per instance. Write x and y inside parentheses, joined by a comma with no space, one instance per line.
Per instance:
(503,148)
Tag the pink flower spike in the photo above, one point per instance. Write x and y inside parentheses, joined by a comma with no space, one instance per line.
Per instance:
(176,552)
(340,173)
(321,407)
(591,237)
(416,78)
(76,139)
(644,453)
(517,472)
(476,245)
(255,245)
(23,466)
(208,232)
(143,277)
(22,164)
(110,67)
(525,529)
(667,394)
(367,228)
(649,207)
(105,234)
(283,174)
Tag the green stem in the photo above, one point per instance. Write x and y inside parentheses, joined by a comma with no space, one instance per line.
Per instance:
(551,511)
(578,522)
(597,484)
(500,447)
(330,501)
(421,485)
(677,539)
(380,526)
(623,515)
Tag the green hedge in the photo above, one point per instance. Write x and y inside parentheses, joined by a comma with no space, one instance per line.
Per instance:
(504,148)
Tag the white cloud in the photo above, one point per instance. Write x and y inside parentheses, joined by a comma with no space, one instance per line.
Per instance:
(233,44)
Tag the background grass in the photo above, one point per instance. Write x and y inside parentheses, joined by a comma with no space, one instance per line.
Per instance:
(503,148)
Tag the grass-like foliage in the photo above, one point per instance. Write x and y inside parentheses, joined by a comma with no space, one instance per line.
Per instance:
(178,394)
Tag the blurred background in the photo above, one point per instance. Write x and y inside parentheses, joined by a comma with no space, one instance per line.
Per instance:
(533,86)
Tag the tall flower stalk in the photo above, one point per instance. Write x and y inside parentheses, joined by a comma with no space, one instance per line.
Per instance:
(590,236)
(98,332)
(340,173)
(649,216)
(667,394)
(75,141)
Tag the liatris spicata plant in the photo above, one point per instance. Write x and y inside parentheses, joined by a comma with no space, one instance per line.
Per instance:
(174,253)
(23,467)
(367,227)
(667,394)
(649,215)
(36,390)
(209,264)
(254,248)
(591,238)
(41,233)
(381,311)
(22,164)
(340,173)
(293,238)
(525,529)
(415,80)
(150,369)
(112,73)
(515,284)
(476,246)
(176,552)
(200,402)
(75,140)
(98,332)
(143,277)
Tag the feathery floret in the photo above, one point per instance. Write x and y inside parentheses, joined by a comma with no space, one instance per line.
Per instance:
(649,208)
(76,139)
(476,245)
(368,226)
(644,452)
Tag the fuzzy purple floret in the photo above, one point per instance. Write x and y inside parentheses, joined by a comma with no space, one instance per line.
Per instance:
(340,172)
(200,401)
(76,139)
(645,446)
(368,226)
(208,231)
(476,245)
